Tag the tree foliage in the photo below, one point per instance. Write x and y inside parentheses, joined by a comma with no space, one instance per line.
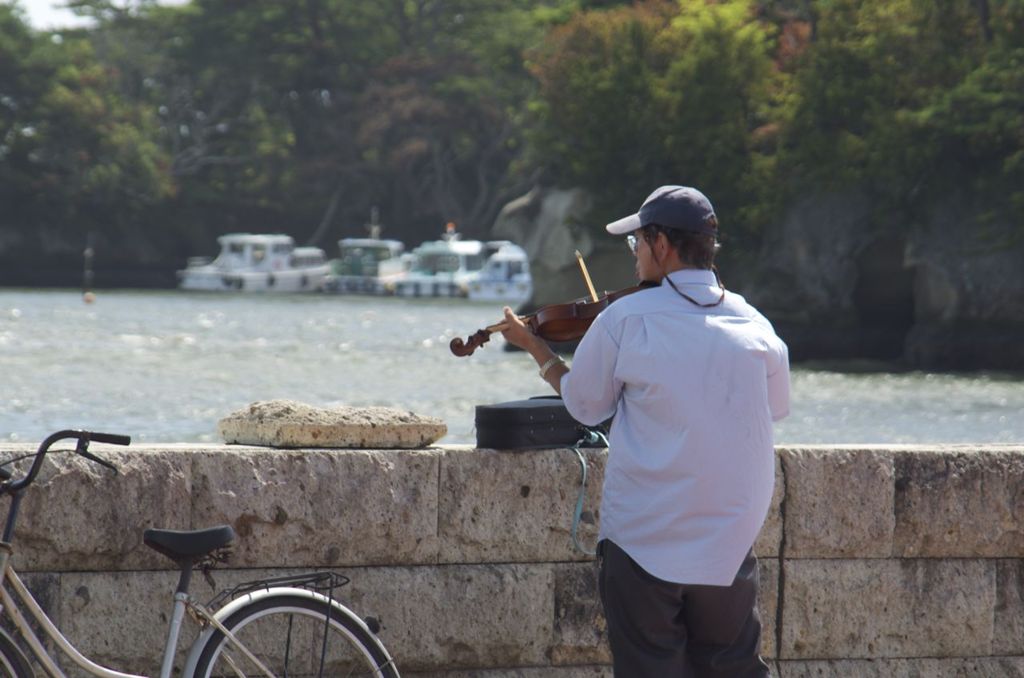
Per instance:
(75,157)
(910,100)
(159,128)
(656,93)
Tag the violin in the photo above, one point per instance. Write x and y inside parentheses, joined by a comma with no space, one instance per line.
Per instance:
(555,322)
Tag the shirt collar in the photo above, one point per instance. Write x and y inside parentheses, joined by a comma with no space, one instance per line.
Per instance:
(694,276)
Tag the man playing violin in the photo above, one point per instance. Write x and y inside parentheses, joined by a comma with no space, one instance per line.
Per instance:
(694,377)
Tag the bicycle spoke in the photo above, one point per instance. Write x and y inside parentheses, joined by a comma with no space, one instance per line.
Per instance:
(288,645)
(298,640)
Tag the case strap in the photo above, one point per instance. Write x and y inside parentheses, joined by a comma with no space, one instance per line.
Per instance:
(590,437)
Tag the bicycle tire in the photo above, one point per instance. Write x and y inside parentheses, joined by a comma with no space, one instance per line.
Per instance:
(13,663)
(287,633)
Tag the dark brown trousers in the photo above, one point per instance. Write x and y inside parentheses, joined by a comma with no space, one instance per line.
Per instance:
(659,629)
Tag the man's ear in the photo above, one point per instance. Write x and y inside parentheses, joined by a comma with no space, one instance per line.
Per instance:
(658,248)
(662,245)
(663,240)
(666,254)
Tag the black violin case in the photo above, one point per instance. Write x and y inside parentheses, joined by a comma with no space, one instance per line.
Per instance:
(541,421)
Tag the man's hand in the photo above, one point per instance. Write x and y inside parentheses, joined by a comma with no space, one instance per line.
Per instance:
(519,333)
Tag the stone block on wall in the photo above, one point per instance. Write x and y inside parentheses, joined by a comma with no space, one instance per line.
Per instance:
(458,616)
(768,604)
(851,609)
(120,619)
(45,588)
(81,516)
(981,667)
(960,502)
(310,508)
(505,506)
(580,631)
(770,538)
(839,502)
(1009,608)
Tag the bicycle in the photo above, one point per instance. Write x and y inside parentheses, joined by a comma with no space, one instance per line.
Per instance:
(278,627)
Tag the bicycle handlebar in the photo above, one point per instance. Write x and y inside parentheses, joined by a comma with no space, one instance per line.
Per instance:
(83,438)
(112,438)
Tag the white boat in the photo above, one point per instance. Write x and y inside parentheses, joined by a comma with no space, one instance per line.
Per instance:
(257,263)
(366,266)
(451,267)
(505,276)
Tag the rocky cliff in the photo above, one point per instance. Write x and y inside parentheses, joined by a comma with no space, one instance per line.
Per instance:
(551,226)
(837,279)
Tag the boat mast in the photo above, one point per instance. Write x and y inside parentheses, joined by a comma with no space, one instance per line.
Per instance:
(374,228)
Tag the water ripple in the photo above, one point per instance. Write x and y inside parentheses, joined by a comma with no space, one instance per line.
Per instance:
(165,366)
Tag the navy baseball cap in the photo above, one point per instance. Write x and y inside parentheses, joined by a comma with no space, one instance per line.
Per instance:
(679,207)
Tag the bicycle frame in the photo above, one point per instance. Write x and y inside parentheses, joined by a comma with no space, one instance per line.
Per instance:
(182,602)
(10,606)
(13,611)
(18,604)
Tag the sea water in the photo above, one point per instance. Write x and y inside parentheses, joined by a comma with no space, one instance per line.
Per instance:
(165,366)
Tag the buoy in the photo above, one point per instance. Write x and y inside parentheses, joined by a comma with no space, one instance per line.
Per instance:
(87,295)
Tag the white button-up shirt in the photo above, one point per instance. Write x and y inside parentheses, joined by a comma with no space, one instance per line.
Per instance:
(693,392)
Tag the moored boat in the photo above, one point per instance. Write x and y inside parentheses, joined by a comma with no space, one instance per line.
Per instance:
(366,266)
(451,267)
(250,262)
(505,276)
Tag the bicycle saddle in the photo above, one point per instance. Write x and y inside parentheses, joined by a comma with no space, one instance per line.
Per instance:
(183,545)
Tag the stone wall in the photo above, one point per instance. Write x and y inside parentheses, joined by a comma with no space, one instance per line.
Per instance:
(875,561)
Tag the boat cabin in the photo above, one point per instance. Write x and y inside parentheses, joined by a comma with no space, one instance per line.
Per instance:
(449,257)
(264,252)
(363,256)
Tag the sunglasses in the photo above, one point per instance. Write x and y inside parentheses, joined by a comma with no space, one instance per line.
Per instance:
(632,243)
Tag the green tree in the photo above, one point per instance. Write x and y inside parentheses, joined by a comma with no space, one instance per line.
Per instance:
(597,123)
(75,158)
(306,115)
(720,97)
(657,93)
(909,100)
(443,118)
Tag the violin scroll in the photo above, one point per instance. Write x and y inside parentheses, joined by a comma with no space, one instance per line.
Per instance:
(474,341)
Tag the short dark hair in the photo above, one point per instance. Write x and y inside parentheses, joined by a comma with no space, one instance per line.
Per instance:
(694,249)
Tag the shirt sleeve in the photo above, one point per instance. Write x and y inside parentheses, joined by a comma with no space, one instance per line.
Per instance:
(589,389)
(778,381)
(778,371)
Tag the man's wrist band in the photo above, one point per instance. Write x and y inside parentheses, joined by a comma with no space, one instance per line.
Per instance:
(549,364)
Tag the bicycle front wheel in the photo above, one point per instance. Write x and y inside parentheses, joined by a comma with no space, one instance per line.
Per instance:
(13,663)
(297,637)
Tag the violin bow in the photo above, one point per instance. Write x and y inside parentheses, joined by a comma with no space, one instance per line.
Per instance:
(586,275)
